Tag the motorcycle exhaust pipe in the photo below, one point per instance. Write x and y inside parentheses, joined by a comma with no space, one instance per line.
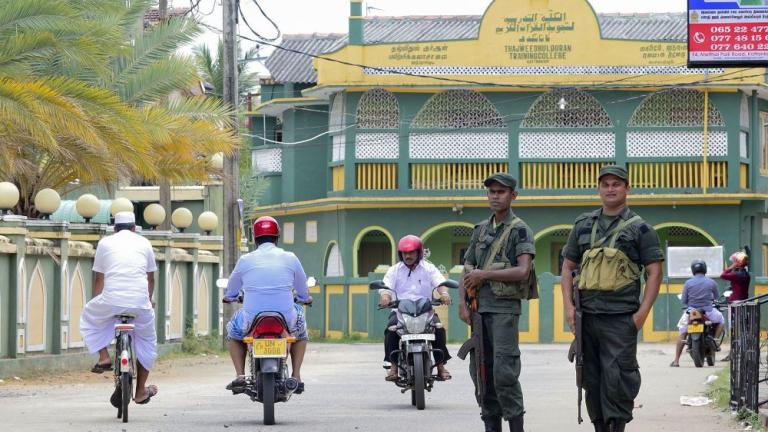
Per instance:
(291,384)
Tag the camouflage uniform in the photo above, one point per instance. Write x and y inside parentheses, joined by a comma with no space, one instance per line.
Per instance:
(503,394)
(611,374)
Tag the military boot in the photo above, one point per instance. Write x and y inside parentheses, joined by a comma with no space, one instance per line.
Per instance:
(492,424)
(616,425)
(516,424)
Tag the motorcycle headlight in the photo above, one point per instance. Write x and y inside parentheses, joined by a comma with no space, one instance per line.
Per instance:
(416,324)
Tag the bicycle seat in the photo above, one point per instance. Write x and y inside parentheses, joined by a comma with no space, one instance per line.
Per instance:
(125,316)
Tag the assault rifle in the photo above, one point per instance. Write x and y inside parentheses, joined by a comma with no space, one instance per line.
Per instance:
(475,343)
(576,352)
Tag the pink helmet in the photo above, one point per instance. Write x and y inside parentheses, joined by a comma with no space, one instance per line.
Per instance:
(266,226)
(409,243)
(740,259)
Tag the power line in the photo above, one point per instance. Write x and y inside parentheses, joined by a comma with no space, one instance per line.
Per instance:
(257,34)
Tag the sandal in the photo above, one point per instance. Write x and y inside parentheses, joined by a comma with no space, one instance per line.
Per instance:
(673,364)
(444,375)
(101,368)
(151,391)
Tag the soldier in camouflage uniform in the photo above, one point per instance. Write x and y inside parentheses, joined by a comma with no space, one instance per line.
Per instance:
(500,284)
(608,248)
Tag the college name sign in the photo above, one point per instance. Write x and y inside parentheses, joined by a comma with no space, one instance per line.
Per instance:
(727,33)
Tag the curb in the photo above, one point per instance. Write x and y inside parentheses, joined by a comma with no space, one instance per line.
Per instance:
(39,364)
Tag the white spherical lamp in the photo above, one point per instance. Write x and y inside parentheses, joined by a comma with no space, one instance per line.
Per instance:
(181,218)
(217,162)
(154,214)
(9,196)
(120,205)
(88,206)
(47,201)
(207,221)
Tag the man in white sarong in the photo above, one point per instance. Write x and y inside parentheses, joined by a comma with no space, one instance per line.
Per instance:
(124,281)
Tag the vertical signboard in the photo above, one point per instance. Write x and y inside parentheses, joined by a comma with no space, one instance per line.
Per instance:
(727,33)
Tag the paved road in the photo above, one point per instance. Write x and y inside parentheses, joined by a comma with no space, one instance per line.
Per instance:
(346,392)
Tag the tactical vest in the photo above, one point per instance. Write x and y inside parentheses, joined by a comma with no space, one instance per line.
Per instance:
(497,259)
(607,268)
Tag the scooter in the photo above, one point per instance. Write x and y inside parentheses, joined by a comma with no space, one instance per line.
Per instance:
(416,360)
(268,344)
(700,341)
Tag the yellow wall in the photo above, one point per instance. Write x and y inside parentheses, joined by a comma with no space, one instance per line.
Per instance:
(77,304)
(203,306)
(36,312)
(520,33)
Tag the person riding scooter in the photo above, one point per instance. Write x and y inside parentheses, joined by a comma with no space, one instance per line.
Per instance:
(413,278)
(699,292)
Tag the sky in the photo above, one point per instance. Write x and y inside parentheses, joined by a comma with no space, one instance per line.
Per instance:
(330,16)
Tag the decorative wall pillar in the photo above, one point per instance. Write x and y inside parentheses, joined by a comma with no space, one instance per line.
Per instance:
(14,229)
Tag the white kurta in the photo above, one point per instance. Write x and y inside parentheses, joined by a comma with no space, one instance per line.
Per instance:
(124,258)
(97,325)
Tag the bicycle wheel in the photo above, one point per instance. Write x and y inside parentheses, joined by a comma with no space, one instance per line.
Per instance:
(126,378)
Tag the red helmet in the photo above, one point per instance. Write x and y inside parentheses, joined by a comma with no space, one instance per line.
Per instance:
(266,226)
(409,243)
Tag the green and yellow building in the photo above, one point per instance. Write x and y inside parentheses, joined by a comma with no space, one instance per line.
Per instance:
(390,129)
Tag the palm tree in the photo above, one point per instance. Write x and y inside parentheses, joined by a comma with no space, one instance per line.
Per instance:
(211,69)
(86,94)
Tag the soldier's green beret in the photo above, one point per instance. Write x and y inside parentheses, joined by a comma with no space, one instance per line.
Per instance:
(618,171)
(503,179)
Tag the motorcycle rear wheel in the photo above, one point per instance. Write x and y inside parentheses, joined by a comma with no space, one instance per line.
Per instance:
(268,397)
(418,381)
(696,352)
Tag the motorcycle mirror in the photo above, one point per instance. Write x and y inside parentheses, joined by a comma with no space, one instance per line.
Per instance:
(311,281)
(377,285)
(221,283)
(450,283)
(727,293)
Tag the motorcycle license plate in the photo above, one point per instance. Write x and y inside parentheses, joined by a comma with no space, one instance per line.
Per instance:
(425,336)
(695,328)
(269,347)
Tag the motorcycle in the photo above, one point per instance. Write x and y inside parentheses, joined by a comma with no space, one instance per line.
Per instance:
(416,325)
(700,341)
(268,344)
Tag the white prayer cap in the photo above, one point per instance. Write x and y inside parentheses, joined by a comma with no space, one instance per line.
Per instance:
(125,218)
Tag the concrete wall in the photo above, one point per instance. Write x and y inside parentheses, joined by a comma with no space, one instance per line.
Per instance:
(47,279)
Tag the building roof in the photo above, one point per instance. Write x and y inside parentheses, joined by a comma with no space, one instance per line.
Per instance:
(286,66)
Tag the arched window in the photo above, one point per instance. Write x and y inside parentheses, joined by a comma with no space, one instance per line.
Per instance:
(378,118)
(458,109)
(669,124)
(542,135)
(466,131)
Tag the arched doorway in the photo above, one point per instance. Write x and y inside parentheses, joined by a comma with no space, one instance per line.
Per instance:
(373,246)
(447,243)
(549,248)
(683,234)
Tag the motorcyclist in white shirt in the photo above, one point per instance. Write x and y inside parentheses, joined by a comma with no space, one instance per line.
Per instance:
(413,278)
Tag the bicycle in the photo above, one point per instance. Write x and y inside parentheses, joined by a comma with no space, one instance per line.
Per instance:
(125,365)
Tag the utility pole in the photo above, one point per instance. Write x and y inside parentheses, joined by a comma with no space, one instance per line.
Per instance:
(231,163)
(164,188)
